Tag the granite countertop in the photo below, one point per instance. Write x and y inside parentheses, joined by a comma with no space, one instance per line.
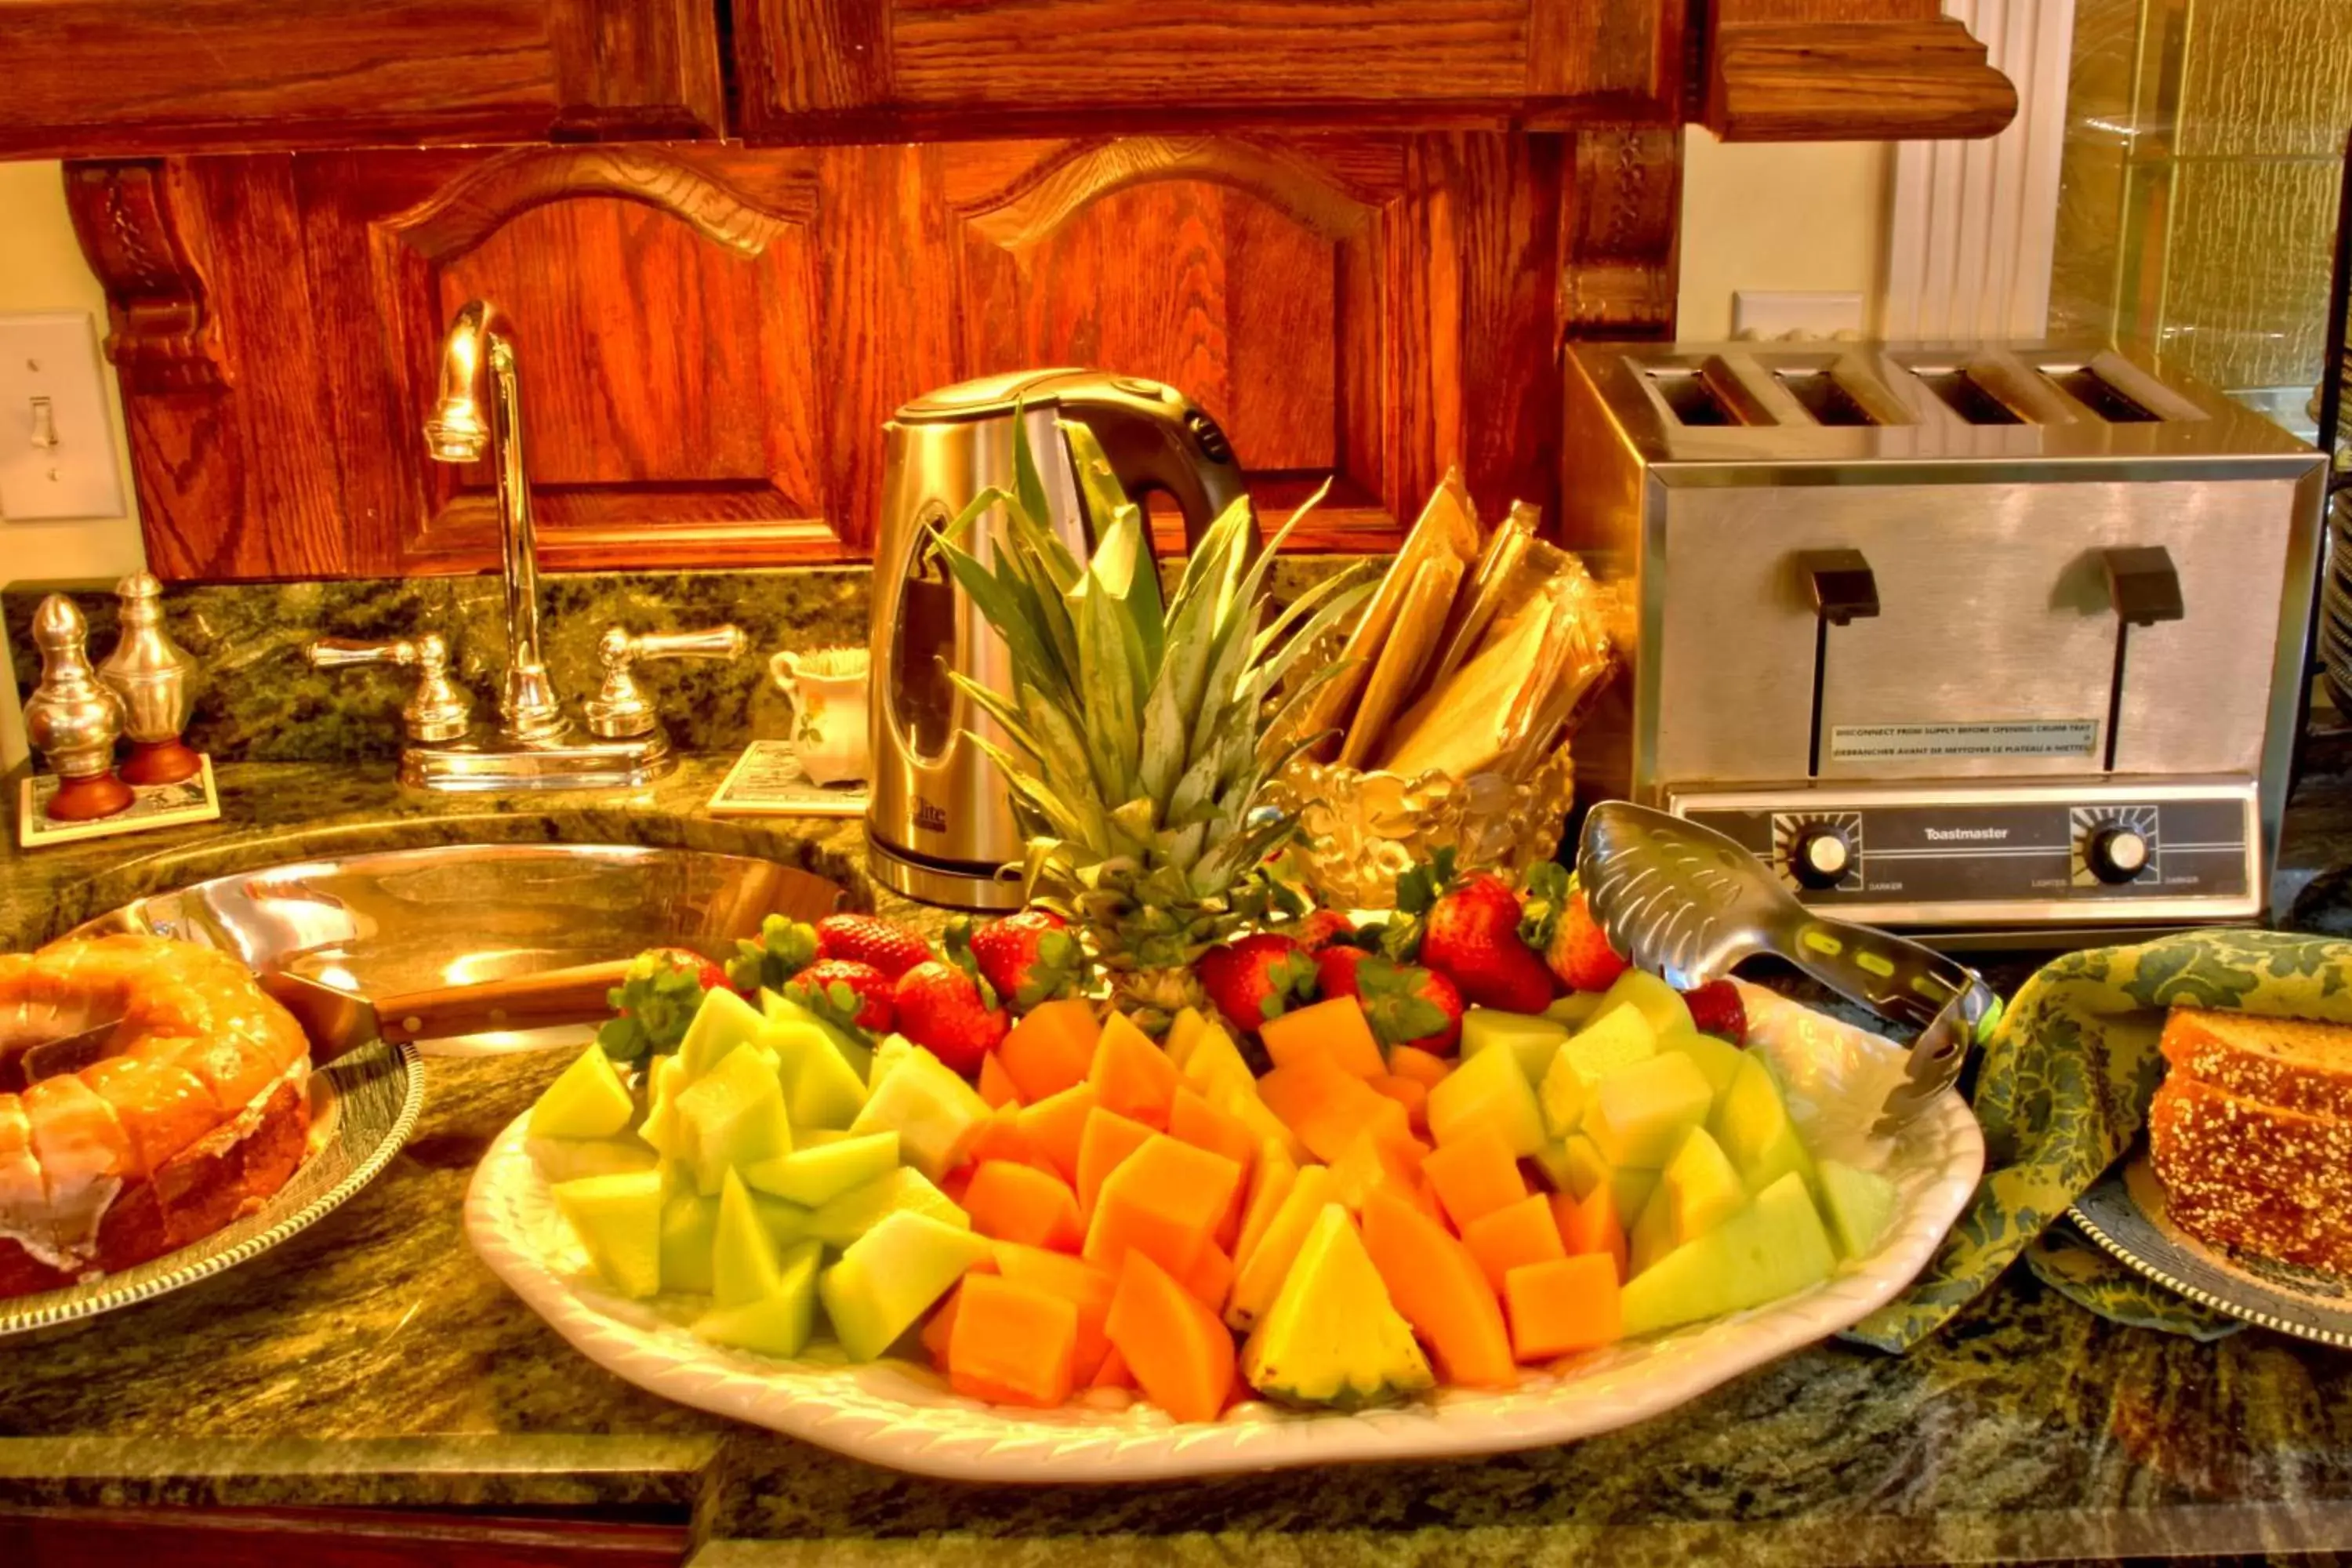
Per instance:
(372,1362)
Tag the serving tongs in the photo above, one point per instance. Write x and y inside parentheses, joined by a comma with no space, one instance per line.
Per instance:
(339,1021)
(1688,903)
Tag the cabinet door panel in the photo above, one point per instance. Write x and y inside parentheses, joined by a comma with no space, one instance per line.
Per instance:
(820,68)
(100,78)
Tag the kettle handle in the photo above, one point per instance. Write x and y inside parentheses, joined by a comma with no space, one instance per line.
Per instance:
(1157,438)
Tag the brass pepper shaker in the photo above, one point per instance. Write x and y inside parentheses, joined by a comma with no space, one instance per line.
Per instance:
(154,677)
(73,718)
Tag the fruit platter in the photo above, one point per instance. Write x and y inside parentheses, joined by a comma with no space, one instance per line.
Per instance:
(1176,1172)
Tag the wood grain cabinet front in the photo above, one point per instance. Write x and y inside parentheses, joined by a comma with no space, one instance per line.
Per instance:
(859,69)
(711,338)
(100,78)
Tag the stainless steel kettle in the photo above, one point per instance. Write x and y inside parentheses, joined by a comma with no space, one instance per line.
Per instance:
(939,824)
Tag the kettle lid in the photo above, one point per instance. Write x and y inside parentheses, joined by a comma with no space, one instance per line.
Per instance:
(985,396)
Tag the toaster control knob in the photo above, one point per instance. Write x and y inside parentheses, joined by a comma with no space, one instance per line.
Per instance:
(2115,854)
(1821,858)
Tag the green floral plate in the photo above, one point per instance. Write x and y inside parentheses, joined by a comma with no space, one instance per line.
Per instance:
(2124,1212)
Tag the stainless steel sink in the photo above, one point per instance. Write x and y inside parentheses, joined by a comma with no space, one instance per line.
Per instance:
(407,920)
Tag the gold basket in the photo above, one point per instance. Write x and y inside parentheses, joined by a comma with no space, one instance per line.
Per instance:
(1362,830)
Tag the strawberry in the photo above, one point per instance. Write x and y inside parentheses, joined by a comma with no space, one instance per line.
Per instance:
(655,1001)
(1405,1004)
(706,973)
(1256,978)
(885,944)
(1560,925)
(846,992)
(1320,928)
(1029,957)
(1715,1009)
(950,1012)
(1468,929)
(784,948)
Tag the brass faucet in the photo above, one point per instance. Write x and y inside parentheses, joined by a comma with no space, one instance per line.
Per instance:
(535,744)
(529,708)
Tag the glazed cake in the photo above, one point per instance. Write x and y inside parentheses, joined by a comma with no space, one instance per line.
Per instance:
(2250,1134)
(196,1112)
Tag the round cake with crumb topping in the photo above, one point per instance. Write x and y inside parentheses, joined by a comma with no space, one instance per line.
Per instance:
(195,1110)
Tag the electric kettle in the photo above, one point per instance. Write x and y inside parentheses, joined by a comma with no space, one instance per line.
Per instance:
(939,822)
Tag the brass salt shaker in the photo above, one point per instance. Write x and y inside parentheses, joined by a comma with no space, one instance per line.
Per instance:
(73,718)
(154,677)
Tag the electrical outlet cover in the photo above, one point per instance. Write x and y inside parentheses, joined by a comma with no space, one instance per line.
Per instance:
(57,436)
(1795,313)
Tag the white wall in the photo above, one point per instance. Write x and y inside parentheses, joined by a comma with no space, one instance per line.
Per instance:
(1802,215)
(41,269)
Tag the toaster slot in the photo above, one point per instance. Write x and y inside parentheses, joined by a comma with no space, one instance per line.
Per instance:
(2097,394)
(1968,397)
(1707,395)
(1825,397)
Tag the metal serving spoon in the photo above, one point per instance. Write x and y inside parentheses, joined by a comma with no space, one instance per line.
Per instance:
(1689,903)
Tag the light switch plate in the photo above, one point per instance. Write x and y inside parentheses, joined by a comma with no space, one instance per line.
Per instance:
(57,439)
(1771,313)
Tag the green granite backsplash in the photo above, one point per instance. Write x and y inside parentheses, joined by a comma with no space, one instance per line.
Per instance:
(258,701)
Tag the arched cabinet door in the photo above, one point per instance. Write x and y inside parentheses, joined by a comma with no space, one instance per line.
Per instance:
(711,339)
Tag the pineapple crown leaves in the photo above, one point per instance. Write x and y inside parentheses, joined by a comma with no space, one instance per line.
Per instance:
(655,1004)
(1394,1005)
(1137,728)
(1551,887)
(783,949)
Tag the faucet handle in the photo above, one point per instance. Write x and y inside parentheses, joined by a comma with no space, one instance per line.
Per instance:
(619,711)
(438,710)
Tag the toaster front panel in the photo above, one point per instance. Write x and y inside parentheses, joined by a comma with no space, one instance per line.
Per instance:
(1992,655)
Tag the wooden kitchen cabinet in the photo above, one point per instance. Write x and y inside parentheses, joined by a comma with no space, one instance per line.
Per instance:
(710,338)
(99,78)
(873,69)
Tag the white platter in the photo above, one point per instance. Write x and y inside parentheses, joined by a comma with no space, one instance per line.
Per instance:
(898,1413)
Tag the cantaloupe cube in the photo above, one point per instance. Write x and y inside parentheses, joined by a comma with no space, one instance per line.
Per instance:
(1473,1176)
(1108,1139)
(1012,1344)
(1179,1354)
(1561,1306)
(1335,1028)
(1132,1075)
(1074,1279)
(1020,1203)
(1165,1199)
(1328,1106)
(1520,1232)
(995,1085)
(1410,1093)
(1589,1224)
(1050,1048)
(1424,1068)
(1055,1126)
(1369,1163)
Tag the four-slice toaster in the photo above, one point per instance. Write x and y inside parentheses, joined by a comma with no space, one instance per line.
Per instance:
(1978,638)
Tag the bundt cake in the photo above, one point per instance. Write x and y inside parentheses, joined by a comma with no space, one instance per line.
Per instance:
(196,1112)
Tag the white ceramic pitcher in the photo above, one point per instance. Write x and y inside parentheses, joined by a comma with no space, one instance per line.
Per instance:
(827,689)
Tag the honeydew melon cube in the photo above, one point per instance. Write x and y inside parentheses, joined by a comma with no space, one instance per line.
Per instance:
(819,1174)
(1857,1204)
(776,1324)
(815,1137)
(1631,1188)
(787,1224)
(891,1275)
(1751,1122)
(734,1115)
(1700,1187)
(1718,1060)
(841,1221)
(666,1079)
(618,1219)
(1575,1009)
(934,1112)
(1773,1246)
(1640,1113)
(1184,1032)
(743,1256)
(1651,1234)
(822,1088)
(1660,1004)
(568,1159)
(690,1230)
(782,1009)
(1581,1168)
(1530,1038)
(588,1099)
(1557,1165)
(1488,1090)
(721,1023)
(893,1051)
